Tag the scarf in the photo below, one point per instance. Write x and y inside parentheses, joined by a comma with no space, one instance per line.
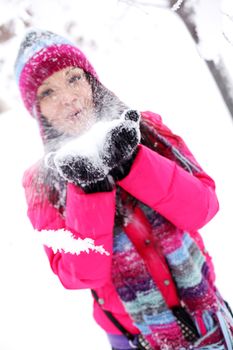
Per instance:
(188,265)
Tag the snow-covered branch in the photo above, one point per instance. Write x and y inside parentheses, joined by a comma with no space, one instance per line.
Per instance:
(225,36)
(177,5)
(158,3)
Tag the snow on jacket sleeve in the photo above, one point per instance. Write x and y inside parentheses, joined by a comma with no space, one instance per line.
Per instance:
(187,200)
(87,216)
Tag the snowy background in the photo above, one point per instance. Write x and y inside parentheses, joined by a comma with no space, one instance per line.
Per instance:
(147,57)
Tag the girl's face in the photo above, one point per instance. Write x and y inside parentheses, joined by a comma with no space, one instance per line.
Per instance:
(65,99)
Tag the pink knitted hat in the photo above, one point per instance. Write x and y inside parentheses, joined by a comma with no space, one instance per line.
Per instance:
(41,54)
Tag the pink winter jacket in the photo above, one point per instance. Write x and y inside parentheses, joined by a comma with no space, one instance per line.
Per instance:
(187,201)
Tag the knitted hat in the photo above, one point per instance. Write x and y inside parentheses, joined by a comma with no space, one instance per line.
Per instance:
(41,54)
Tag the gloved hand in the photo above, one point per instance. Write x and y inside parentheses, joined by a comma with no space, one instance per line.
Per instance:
(121,143)
(80,171)
(102,156)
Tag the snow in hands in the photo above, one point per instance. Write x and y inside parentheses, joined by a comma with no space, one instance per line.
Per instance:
(90,156)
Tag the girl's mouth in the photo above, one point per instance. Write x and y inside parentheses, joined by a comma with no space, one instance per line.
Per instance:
(75,114)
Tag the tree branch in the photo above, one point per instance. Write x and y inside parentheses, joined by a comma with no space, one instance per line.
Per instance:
(218,70)
(159,4)
(177,5)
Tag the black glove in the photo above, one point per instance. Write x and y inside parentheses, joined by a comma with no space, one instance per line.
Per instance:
(120,148)
(118,173)
(80,171)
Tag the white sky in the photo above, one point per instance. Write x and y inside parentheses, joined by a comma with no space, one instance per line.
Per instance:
(149,60)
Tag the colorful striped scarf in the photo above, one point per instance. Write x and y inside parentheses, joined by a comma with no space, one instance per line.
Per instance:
(189,267)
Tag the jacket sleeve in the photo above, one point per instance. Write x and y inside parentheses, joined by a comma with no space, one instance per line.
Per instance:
(87,216)
(187,200)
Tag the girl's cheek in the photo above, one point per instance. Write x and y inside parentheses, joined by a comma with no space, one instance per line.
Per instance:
(45,108)
(56,112)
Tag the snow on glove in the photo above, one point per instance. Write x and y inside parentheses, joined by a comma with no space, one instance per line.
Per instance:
(121,143)
(89,159)
(80,170)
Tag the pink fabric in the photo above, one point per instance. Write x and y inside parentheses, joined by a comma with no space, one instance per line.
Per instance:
(84,218)
(43,216)
(187,201)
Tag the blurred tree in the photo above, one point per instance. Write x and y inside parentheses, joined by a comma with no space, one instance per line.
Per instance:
(188,12)
(7,31)
(210,11)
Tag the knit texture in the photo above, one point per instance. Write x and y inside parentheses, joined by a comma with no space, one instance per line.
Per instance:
(190,270)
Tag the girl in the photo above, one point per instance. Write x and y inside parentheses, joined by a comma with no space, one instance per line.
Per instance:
(122,181)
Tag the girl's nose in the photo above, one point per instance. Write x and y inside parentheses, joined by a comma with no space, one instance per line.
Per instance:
(68,99)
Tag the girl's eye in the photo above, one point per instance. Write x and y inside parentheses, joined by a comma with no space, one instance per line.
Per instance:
(75,78)
(45,93)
